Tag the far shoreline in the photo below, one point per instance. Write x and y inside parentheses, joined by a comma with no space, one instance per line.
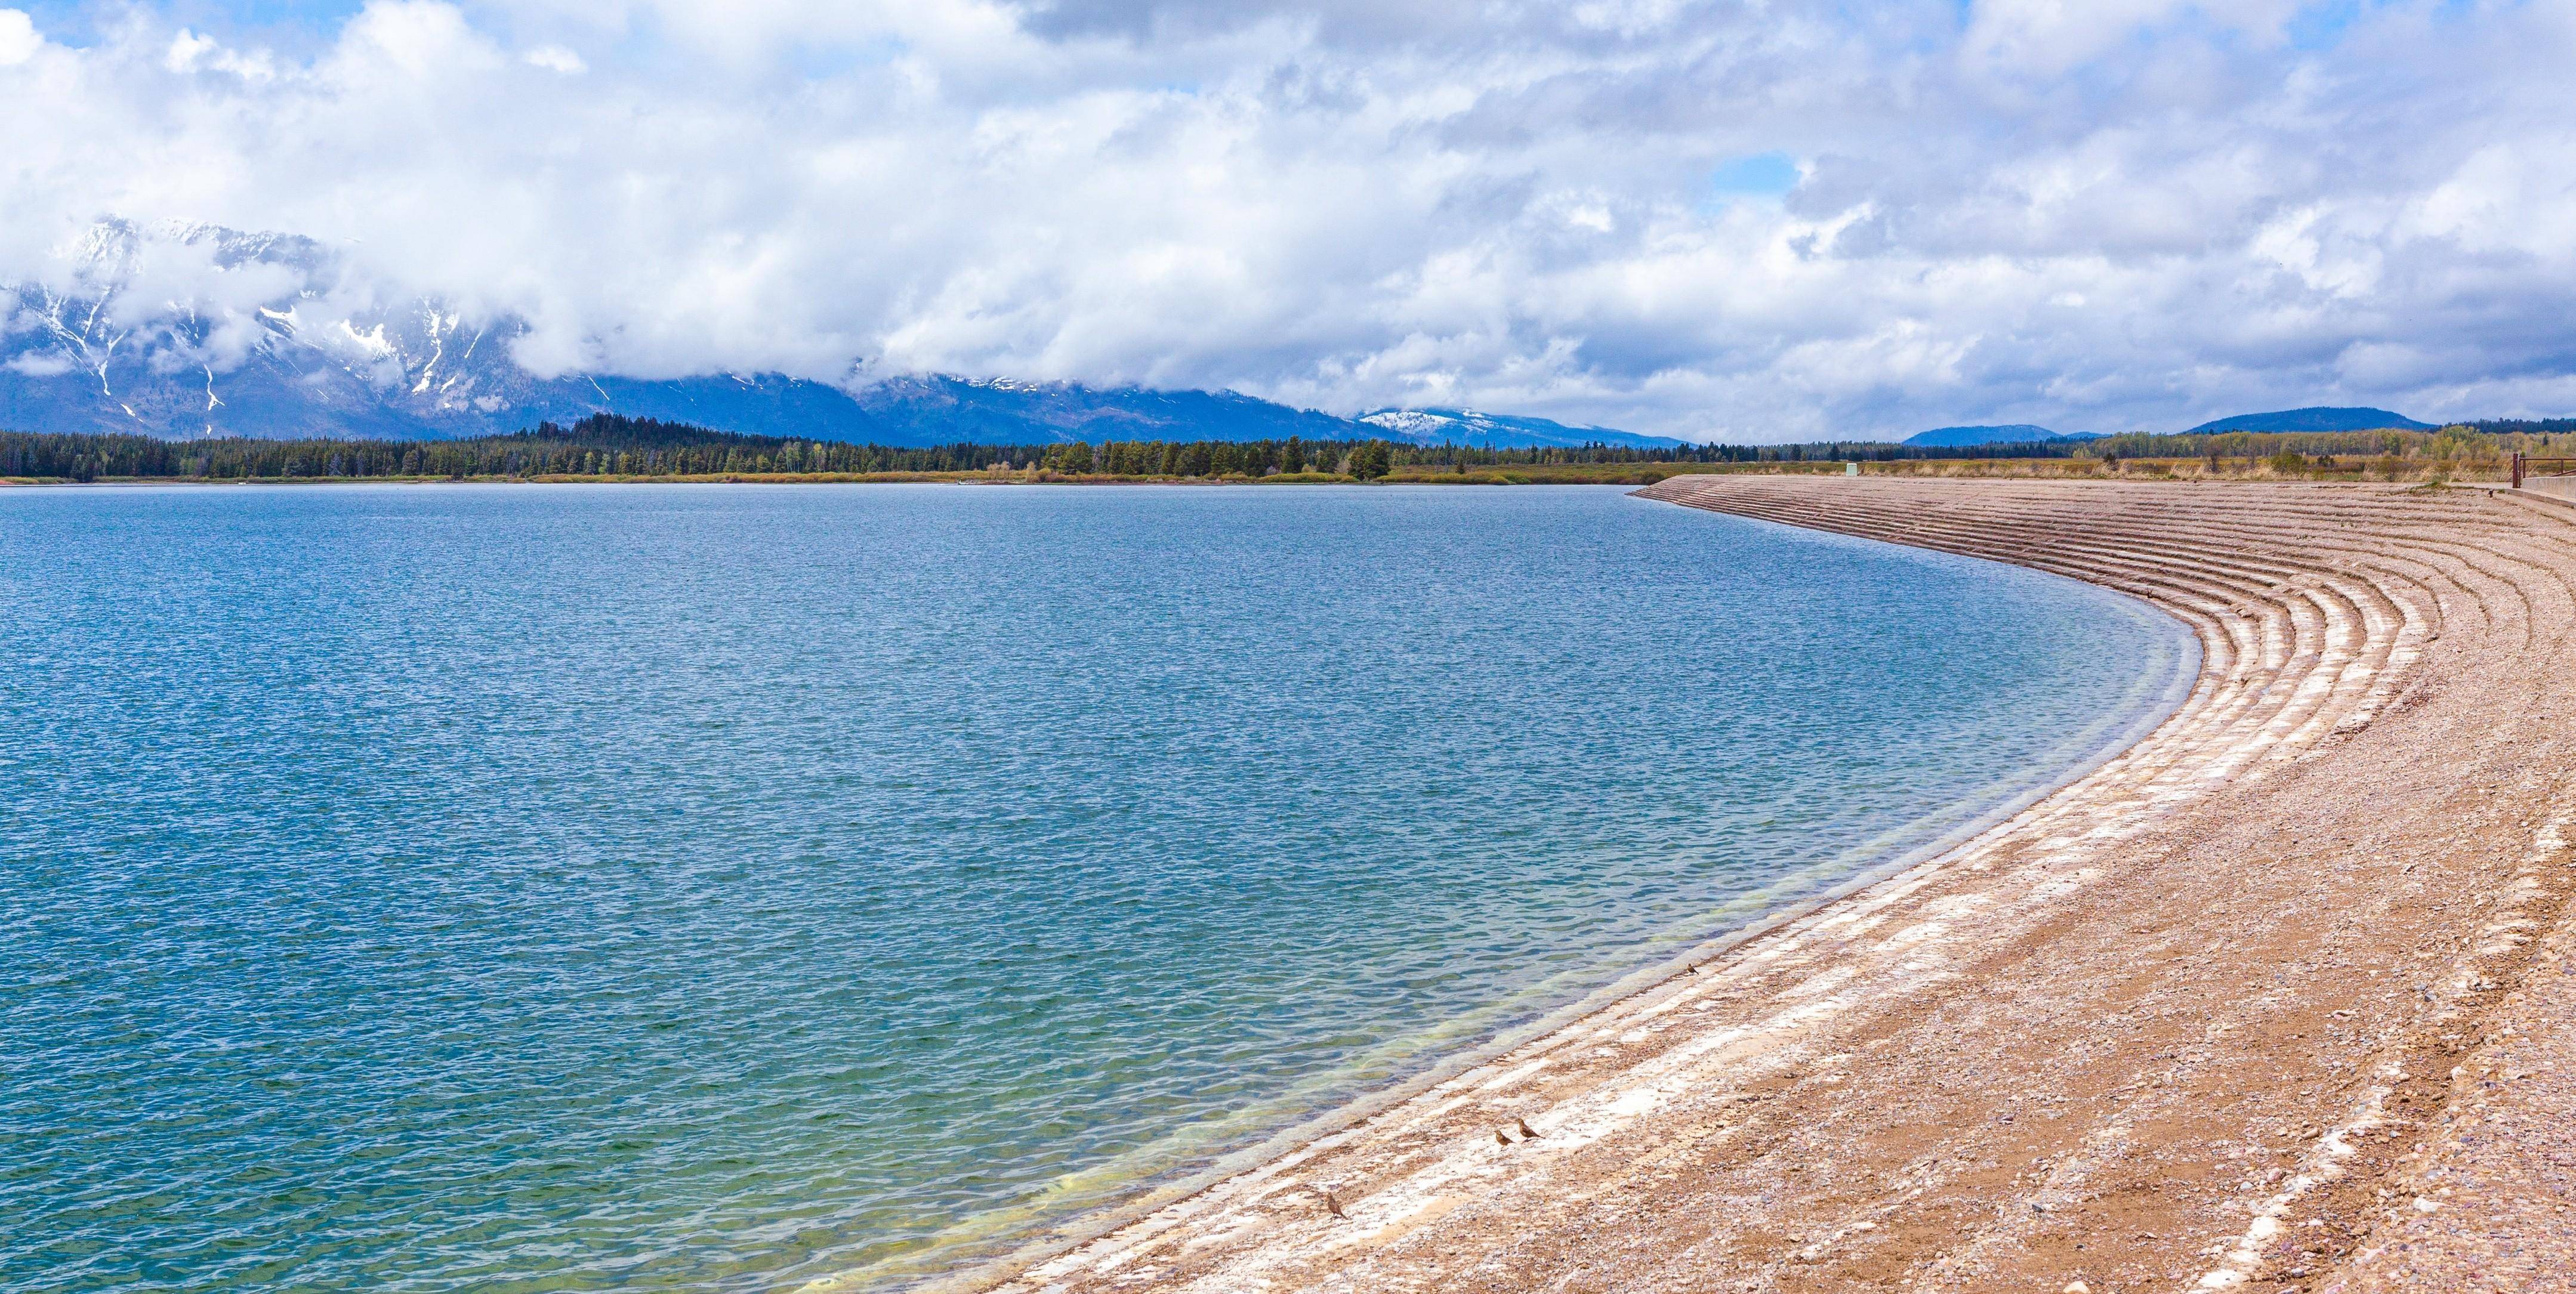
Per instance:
(828,478)
(1632,476)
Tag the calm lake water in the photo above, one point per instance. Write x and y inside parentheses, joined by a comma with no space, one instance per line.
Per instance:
(716,888)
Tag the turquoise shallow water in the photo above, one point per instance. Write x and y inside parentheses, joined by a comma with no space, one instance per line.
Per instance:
(535,888)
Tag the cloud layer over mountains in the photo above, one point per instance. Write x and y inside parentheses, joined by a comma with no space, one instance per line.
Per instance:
(1721,220)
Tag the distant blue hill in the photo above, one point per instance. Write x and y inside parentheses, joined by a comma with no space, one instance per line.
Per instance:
(939,410)
(946,410)
(2317,419)
(2019,433)
(1495,430)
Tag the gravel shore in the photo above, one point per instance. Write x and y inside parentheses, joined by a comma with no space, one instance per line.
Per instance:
(2277,1000)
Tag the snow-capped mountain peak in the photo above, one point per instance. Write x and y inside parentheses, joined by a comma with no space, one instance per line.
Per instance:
(187,330)
(1470,427)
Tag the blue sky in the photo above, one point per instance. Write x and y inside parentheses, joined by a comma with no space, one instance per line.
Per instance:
(1762,174)
(315,18)
(1680,216)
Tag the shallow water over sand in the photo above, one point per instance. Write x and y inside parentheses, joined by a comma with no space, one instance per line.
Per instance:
(718,887)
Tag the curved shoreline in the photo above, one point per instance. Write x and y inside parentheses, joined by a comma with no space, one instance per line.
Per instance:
(2125,729)
(2135,1035)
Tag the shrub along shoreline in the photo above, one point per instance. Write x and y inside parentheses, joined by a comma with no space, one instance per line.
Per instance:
(611,448)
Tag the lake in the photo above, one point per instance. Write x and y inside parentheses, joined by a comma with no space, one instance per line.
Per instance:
(524,888)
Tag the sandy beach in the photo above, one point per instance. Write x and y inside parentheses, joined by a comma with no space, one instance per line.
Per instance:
(2278,999)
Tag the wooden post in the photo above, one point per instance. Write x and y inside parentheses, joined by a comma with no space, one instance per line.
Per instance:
(2517,471)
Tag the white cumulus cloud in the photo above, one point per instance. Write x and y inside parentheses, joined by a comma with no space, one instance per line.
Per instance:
(2094,216)
(18,39)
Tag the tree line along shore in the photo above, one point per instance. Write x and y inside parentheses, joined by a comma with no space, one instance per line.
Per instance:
(609,447)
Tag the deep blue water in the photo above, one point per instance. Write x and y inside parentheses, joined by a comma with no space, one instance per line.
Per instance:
(703,887)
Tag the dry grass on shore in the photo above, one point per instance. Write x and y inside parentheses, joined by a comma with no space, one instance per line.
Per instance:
(2349,469)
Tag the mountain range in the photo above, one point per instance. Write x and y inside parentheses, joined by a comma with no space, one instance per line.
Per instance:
(184,331)
(117,346)
(2313,419)
(1468,427)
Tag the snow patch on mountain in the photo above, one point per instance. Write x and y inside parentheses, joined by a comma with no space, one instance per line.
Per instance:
(1493,430)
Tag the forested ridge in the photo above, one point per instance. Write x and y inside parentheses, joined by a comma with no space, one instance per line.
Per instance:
(609,445)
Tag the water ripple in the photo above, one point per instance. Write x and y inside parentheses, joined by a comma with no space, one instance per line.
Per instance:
(510,889)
